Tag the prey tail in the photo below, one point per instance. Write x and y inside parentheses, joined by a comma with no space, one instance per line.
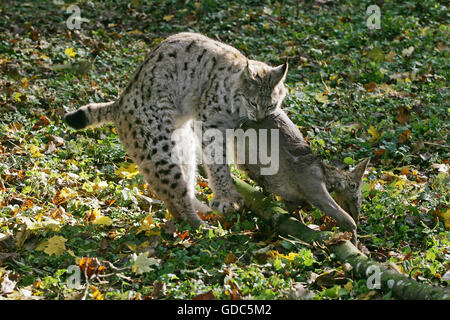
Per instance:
(92,114)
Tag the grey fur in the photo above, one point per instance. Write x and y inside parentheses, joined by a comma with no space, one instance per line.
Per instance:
(302,176)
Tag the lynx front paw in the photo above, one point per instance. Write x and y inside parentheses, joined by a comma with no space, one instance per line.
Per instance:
(227,204)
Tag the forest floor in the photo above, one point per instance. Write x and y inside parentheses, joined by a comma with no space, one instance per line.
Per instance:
(78,221)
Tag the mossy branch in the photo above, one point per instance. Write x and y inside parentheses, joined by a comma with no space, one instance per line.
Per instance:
(402,287)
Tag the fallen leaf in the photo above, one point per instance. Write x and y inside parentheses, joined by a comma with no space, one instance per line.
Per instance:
(404,136)
(441,167)
(168,17)
(408,51)
(127,170)
(7,285)
(70,52)
(55,245)
(321,97)
(142,263)
(205,296)
(96,295)
(370,86)
(230,258)
(90,266)
(24,83)
(390,56)
(103,221)
(374,134)
(35,153)
(403,115)
(135,32)
(42,122)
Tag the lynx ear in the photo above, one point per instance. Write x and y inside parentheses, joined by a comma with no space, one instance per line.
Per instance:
(278,74)
(249,73)
(358,172)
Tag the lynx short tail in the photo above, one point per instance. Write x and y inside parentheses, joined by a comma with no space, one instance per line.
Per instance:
(92,114)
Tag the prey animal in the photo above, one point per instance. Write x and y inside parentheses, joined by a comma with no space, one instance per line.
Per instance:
(301,175)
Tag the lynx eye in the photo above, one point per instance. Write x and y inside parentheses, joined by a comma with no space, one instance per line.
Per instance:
(353,186)
(251,103)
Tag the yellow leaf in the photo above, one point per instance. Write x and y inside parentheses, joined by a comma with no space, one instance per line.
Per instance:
(445,216)
(103,221)
(96,295)
(127,170)
(17,96)
(24,83)
(35,152)
(321,97)
(135,31)
(55,245)
(148,226)
(374,134)
(70,52)
(168,17)
(348,286)
(275,254)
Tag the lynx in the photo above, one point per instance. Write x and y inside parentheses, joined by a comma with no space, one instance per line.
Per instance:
(303,177)
(187,77)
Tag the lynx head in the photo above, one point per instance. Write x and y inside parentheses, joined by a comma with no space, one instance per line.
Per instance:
(347,188)
(262,88)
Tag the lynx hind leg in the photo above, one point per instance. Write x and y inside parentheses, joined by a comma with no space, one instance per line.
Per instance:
(187,153)
(168,182)
(226,199)
(164,174)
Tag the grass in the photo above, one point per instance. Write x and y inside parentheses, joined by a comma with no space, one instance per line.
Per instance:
(66,196)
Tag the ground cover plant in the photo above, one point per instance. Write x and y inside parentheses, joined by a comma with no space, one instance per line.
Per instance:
(77,220)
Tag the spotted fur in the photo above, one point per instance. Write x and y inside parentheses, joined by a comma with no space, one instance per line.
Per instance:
(187,77)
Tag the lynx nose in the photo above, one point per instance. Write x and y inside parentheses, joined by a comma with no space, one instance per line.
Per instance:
(260,115)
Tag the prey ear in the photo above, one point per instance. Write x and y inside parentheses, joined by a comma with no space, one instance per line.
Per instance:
(278,74)
(358,172)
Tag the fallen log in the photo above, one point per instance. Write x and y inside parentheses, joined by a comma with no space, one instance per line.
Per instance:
(381,276)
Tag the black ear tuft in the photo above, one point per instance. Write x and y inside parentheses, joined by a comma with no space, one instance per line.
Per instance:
(76,119)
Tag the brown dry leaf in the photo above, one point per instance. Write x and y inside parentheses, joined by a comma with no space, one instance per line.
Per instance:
(15,126)
(50,147)
(379,152)
(90,266)
(43,122)
(370,86)
(390,56)
(404,136)
(230,258)
(403,115)
(58,141)
(205,296)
